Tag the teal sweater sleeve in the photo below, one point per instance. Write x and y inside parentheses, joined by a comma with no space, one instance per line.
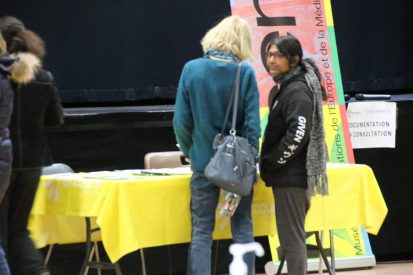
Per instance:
(251,127)
(182,120)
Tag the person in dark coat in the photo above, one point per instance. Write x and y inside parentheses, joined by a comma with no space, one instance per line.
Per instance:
(36,107)
(6,107)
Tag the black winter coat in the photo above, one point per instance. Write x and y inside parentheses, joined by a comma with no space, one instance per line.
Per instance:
(284,148)
(36,108)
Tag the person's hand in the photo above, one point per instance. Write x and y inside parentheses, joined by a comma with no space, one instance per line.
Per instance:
(185,160)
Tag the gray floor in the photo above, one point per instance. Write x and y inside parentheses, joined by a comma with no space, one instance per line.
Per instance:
(396,268)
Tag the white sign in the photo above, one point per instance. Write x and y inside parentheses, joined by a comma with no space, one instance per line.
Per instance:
(372,124)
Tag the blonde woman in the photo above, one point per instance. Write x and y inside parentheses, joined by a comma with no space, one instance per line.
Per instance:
(203,93)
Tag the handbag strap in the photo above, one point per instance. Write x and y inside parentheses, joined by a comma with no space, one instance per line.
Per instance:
(233,99)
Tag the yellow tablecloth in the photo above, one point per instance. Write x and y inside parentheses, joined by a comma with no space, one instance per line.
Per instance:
(135,211)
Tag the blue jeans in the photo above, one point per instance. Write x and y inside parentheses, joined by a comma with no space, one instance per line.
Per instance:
(4,267)
(204,201)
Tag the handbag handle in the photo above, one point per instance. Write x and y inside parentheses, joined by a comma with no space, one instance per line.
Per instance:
(233,98)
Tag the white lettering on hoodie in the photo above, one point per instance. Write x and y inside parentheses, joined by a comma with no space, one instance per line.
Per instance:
(300,132)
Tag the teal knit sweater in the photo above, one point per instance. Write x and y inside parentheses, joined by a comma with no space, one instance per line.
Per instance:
(203,93)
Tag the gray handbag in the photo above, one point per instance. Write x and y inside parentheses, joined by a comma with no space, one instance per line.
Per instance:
(233,166)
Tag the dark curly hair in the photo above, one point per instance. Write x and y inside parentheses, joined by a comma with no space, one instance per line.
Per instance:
(27,41)
(9,26)
(20,39)
(289,46)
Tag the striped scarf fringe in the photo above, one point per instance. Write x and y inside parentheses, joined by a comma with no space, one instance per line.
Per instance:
(317,154)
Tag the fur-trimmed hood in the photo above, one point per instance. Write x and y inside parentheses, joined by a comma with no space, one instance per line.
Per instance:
(25,68)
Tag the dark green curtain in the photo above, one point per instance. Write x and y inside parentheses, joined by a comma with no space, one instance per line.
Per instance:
(134,50)
(374,45)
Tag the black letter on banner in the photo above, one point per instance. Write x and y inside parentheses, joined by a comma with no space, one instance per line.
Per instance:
(273,21)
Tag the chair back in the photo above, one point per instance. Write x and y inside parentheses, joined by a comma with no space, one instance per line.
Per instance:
(56,168)
(169,159)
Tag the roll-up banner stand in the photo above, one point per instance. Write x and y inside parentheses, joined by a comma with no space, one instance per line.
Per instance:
(311,21)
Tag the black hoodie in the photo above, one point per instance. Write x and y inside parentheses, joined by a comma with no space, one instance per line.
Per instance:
(284,149)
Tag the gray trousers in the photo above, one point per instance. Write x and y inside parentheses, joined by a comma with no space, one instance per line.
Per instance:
(291,206)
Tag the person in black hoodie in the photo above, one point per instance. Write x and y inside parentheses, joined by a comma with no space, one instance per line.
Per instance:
(293,154)
(36,107)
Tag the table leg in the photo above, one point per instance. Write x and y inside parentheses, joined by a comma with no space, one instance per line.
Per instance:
(95,245)
(49,253)
(92,249)
(320,262)
(85,267)
(323,255)
(333,260)
(143,261)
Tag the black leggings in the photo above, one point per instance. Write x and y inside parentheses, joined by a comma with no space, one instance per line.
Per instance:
(15,209)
